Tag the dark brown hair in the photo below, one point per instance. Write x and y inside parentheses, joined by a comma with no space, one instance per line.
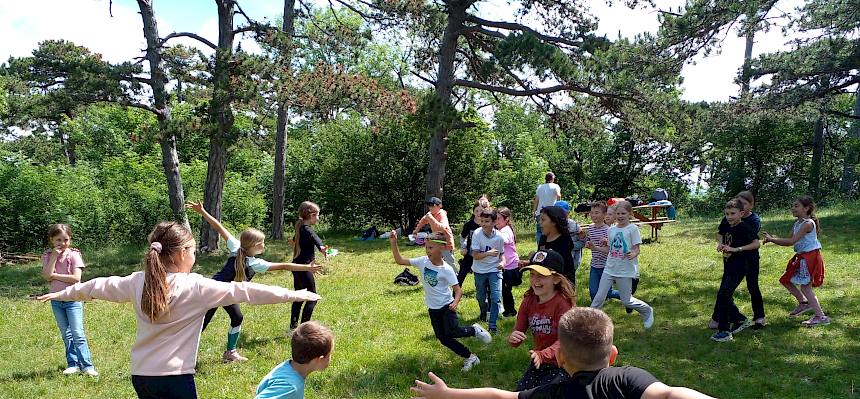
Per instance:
(311,340)
(747,196)
(585,336)
(808,202)
(58,228)
(600,205)
(734,204)
(549,177)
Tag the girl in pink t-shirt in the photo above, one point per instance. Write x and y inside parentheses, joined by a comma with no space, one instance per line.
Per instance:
(511,276)
(62,266)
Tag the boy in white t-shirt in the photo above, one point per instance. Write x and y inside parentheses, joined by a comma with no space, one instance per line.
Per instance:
(545,195)
(438,279)
(488,252)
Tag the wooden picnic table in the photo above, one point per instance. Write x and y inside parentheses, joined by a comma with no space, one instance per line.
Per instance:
(649,215)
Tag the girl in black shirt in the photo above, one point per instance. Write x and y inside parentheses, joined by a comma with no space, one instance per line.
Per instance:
(555,236)
(304,242)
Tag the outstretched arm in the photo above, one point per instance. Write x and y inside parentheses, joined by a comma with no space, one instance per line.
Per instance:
(198,208)
(439,390)
(296,267)
(787,242)
(399,259)
(659,390)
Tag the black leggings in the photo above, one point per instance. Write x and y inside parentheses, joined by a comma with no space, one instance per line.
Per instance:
(233,311)
(303,280)
(447,327)
(510,278)
(465,269)
(164,386)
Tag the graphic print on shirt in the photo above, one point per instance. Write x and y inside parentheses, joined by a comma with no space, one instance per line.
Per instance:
(540,324)
(617,246)
(431,277)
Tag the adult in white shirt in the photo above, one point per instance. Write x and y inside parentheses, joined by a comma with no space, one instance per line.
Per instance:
(546,195)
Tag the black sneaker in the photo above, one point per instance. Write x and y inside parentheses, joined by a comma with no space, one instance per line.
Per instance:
(628,310)
(759,324)
(741,325)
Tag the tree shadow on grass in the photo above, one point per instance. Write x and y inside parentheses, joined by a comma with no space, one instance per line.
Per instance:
(17,376)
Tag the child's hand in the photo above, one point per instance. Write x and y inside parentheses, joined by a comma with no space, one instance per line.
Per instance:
(306,296)
(430,391)
(604,242)
(501,266)
(589,245)
(392,236)
(767,238)
(536,360)
(516,337)
(48,297)
(583,233)
(314,268)
(492,252)
(720,247)
(522,263)
(630,255)
(195,206)
(453,305)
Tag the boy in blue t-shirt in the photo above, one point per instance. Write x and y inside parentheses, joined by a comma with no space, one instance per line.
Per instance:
(312,344)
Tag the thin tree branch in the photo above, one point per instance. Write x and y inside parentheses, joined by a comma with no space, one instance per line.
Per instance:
(522,28)
(194,36)
(426,79)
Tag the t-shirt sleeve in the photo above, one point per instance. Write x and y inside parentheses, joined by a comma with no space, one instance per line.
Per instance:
(278,389)
(258,265)
(76,260)
(448,277)
(635,381)
(558,389)
(476,244)
(417,262)
(635,236)
(724,227)
(233,244)
(316,238)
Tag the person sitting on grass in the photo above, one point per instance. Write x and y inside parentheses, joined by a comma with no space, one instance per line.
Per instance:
(312,344)
(438,279)
(586,352)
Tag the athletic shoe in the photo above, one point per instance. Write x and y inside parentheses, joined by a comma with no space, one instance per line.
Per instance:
(816,321)
(741,325)
(510,314)
(649,320)
(482,334)
(628,310)
(471,362)
(713,324)
(800,309)
(233,356)
(71,370)
(722,336)
(759,323)
(91,371)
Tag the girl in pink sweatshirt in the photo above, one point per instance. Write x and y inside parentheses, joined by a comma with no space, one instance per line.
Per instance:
(170,303)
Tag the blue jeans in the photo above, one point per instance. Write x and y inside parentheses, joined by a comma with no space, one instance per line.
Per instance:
(70,321)
(594,283)
(494,281)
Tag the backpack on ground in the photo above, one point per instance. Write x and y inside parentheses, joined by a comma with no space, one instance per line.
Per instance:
(406,278)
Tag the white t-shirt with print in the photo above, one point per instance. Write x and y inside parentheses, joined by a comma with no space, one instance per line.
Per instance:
(621,242)
(482,243)
(437,282)
(256,264)
(547,194)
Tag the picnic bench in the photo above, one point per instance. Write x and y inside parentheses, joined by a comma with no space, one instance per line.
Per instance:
(649,215)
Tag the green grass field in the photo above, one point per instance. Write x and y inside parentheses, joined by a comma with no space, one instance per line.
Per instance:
(384,338)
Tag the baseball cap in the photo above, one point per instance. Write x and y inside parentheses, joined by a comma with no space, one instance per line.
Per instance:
(563,205)
(545,262)
(433,201)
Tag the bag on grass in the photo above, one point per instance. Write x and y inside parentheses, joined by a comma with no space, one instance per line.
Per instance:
(406,278)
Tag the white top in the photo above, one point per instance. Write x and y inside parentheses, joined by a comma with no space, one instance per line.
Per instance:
(483,243)
(621,242)
(437,282)
(809,241)
(547,194)
(256,264)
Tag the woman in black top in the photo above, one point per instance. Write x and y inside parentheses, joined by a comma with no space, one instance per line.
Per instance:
(305,244)
(555,236)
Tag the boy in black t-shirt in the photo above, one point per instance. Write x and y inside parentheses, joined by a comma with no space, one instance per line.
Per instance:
(586,351)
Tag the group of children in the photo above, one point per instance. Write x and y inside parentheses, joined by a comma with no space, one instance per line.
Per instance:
(571,346)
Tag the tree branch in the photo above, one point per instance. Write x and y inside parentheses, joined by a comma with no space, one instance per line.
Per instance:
(522,28)
(426,79)
(194,36)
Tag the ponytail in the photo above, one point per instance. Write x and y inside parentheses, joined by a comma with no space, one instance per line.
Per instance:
(239,265)
(167,239)
(247,240)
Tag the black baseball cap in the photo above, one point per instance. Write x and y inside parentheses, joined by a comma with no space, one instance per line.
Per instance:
(433,201)
(545,262)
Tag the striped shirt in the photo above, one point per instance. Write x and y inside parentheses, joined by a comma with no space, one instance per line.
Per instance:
(596,235)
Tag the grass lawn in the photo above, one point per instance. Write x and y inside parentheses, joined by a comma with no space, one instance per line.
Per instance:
(384,338)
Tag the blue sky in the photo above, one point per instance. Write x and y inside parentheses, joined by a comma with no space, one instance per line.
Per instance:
(86,22)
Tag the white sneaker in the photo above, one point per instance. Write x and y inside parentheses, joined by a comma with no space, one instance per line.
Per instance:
(71,370)
(470,362)
(91,372)
(482,334)
(649,321)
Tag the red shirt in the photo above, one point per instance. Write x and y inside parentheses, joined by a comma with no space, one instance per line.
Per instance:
(542,319)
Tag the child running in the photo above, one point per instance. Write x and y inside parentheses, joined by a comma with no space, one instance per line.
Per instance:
(437,219)
(737,238)
(586,353)
(438,279)
(549,296)
(806,267)
(511,275)
(597,242)
(170,303)
(62,267)
(488,247)
(242,265)
(622,264)
(305,240)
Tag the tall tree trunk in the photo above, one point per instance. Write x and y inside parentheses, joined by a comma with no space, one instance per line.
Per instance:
(281,132)
(750,39)
(221,114)
(849,170)
(166,138)
(817,154)
(444,87)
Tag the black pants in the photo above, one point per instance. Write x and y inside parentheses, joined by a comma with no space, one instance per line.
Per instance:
(233,311)
(165,386)
(303,280)
(465,269)
(751,275)
(447,328)
(535,377)
(727,312)
(510,278)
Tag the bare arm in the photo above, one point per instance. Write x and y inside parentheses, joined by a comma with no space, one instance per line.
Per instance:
(534,205)
(295,267)
(198,208)
(787,242)
(659,390)
(439,390)
(399,259)
(48,266)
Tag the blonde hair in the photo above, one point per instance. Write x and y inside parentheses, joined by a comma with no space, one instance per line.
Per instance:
(247,240)
(626,205)
(173,238)
(305,210)
(58,228)
(585,338)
